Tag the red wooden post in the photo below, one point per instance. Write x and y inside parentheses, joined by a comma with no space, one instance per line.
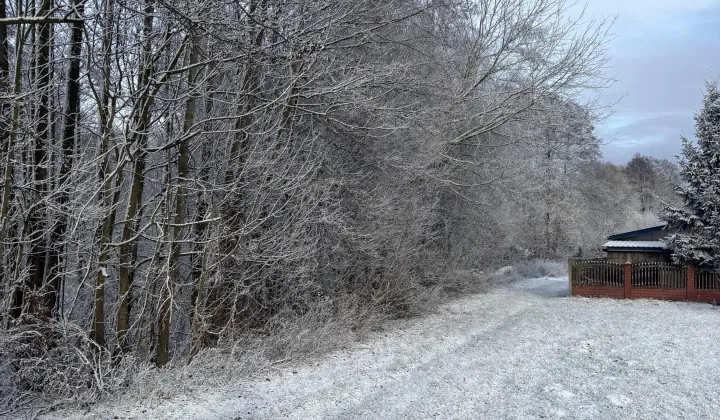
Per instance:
(627,281)
(690,288)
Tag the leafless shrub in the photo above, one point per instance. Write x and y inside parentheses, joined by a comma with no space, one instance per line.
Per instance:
(462,282)
(537,268)
(53,362)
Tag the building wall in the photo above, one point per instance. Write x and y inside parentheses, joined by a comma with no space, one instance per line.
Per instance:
(637,257)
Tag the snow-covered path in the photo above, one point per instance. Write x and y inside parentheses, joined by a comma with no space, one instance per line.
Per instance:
(522,351)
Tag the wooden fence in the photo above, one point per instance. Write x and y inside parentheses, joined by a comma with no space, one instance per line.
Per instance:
(656,280)
(707,280)
(596,273)
(659,275)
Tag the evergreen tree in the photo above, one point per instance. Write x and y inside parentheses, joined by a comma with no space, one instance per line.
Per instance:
(698,242)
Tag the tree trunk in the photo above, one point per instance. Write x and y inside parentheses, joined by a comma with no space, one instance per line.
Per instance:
(36,220)
(7,197)
(180,205)
(68,149)
(249,86)
(199,272)
(233,210)
(142,121)
(4,59)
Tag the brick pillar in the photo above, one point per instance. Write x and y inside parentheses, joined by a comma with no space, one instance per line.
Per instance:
(627,280)
(690,293)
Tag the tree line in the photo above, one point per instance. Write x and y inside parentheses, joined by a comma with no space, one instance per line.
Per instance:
(177,174)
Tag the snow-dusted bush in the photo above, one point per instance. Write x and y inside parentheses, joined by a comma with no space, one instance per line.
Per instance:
(541,268)
(53,361)
(538,268)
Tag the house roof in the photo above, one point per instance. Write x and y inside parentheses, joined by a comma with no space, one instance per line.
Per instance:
(635,246)
(635,232)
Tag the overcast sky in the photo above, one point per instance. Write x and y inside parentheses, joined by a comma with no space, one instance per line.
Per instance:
(662,53)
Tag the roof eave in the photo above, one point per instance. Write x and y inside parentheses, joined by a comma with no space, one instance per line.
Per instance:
(629,249)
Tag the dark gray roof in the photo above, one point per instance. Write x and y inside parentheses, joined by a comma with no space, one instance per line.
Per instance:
(636,232)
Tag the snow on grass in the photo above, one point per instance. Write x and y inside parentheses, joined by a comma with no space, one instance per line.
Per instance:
(522,351)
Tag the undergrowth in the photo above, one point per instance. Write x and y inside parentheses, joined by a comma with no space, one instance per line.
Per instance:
(46,364)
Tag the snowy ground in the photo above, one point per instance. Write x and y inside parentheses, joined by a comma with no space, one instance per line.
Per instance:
(522,351)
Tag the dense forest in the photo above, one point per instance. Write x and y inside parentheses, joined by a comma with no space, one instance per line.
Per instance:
(177,175)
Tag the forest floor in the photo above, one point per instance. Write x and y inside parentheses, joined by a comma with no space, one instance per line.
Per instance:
(523,350)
